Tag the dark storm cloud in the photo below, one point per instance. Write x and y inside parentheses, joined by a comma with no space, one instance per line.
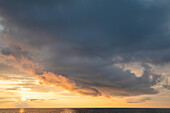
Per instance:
(15,51)
(134,30)
(119,82)
(83,39)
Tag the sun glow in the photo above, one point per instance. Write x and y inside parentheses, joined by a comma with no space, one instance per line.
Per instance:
(23,99)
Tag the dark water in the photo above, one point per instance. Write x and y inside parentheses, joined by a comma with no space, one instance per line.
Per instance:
(84,110)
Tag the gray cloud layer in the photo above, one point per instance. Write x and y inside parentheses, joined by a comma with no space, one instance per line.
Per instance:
(83,39)
(138,100)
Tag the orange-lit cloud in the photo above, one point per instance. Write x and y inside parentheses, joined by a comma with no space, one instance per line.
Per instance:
(19,58)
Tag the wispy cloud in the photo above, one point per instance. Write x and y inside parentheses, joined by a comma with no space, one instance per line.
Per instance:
(138,100)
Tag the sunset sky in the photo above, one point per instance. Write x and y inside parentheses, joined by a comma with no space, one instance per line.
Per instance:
(84,53)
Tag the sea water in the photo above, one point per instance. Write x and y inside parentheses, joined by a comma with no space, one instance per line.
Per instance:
(84,110)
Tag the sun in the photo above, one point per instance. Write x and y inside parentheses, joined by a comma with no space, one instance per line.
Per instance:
(23,99)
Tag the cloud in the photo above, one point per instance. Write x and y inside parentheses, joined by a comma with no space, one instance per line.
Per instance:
(123,85)
(4,98)
(166,85)
(14,88)
(76,44)
(22,105)
(1,102)
(25,64)
(32,100)
(138,100)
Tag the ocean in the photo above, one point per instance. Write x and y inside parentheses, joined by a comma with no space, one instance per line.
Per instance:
(84,110)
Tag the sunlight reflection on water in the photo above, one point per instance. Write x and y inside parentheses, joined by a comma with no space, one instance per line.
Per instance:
(68,111)
(21,110)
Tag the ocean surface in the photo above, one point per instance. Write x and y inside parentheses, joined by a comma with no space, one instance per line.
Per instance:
(84,110)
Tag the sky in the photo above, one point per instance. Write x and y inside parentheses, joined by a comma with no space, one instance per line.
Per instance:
(84,53)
